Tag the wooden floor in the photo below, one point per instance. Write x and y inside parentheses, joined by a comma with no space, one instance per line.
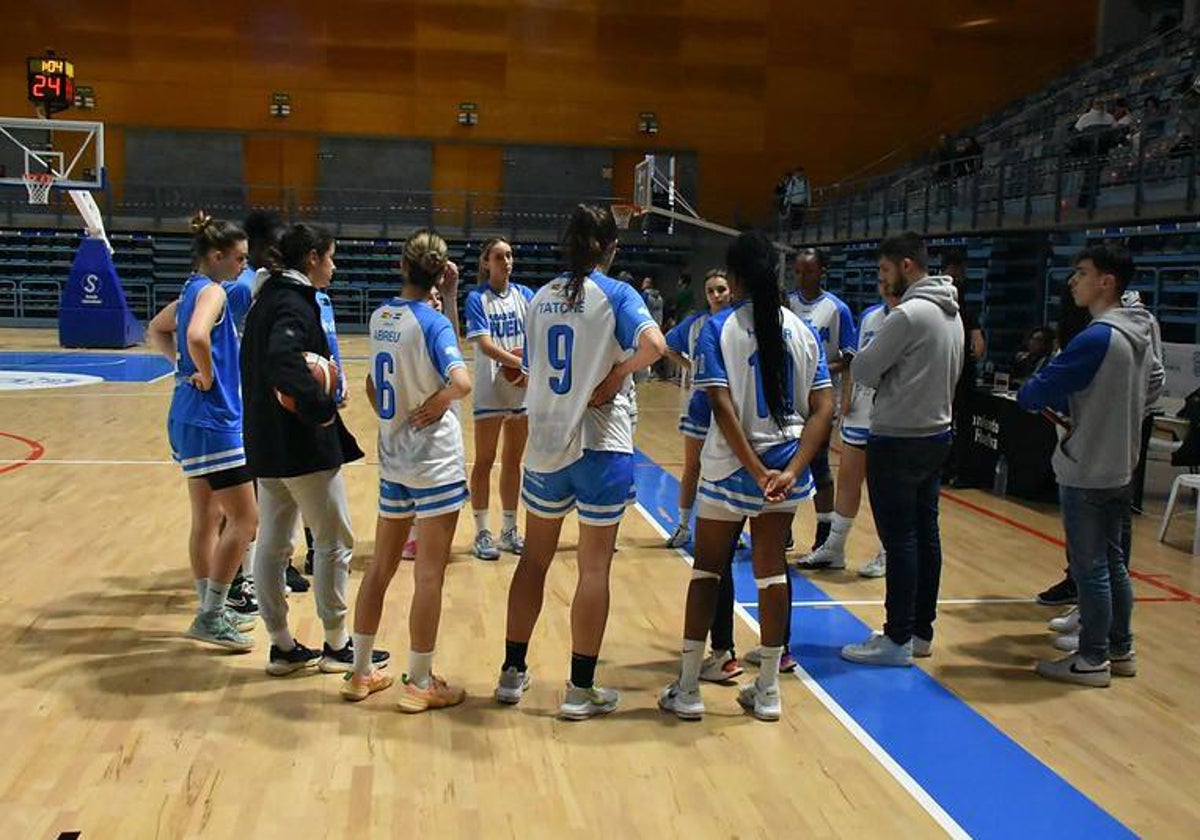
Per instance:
(117,727)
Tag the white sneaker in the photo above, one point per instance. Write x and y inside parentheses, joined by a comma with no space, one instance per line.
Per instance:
(921,648)
(1074,669)
(824,558)
(1068,622)
(764,703)
(721,667)
(512,686)
(583,703)
(681,536)
(484,546)
(1124,665)
(879,650)
(685,705)
(1068,642)
(877,568)
(512,541)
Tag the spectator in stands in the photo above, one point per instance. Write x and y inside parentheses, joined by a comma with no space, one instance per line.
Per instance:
(1095,117)
(655,303)
(1121,115)
(794,197)
(968,157)
(685,297)
(943,158)
(1155,109)
(1039,347)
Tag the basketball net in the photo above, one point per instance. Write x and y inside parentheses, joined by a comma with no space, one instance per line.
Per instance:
(38,184)
(624,213)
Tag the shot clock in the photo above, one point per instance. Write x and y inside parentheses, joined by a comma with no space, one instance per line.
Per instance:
(50,82)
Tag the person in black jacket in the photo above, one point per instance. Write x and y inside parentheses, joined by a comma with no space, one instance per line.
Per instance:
(297,455)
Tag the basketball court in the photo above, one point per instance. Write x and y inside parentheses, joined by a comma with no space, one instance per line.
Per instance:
(119,727)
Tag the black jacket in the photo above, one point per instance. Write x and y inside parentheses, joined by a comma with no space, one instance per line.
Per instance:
(282,325)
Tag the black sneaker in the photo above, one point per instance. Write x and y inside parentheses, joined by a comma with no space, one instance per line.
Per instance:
(342,661)
(295,580)
(241,596)
(1060,594)
(284,662)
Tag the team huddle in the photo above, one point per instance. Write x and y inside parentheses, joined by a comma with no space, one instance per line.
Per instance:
(255,425)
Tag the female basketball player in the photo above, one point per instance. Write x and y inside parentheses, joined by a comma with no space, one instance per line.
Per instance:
(765,374)
(297,453)
(852,470)
(417,374)
(496,323)
(585,335)
(722,663)
(204,423)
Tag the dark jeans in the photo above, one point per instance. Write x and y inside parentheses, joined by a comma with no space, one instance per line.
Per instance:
(904,479)
(1097,523)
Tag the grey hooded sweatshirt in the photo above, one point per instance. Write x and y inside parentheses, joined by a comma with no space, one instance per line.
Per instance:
(1102,381)
(914,362)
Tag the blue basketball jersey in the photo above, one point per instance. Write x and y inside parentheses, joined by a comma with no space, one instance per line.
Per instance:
(240,294)
(569,350)
(728,358)
(683,339)
(413,350)
(220,407)
(329,325)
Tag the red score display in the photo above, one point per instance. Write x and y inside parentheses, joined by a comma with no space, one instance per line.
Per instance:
(50,82)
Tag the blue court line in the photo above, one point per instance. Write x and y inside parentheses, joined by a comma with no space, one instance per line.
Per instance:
(112,367)
(983,779)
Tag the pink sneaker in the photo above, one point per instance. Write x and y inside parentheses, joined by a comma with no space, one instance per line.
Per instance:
(356,688)
(409,552)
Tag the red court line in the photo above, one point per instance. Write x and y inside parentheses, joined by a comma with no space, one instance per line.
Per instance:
(36,450)
(1148,579)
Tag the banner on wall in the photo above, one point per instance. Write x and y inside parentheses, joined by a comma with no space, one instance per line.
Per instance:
(1182,362)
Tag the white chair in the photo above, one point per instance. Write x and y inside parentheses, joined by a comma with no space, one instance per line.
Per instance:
(1191,482)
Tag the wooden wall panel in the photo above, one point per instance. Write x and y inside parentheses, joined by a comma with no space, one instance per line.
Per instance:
(753,87)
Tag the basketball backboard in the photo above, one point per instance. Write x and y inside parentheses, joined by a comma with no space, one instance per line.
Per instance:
(72,151)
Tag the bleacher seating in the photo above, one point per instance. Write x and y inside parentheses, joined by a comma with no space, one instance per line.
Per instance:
(34,265)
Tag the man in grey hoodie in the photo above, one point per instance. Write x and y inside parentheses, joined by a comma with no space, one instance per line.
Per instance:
(914,363)
(1101,382)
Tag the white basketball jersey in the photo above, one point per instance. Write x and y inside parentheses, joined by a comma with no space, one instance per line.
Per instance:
(830,318)
(859,416)
(413,350)
(503,318)
(683,339)
(728,356)
(569,350)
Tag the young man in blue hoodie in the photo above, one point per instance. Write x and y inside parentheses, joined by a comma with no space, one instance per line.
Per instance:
(1101,382)
(914,363)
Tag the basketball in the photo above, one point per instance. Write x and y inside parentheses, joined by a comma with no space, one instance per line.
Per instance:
(514,375)
(325,371)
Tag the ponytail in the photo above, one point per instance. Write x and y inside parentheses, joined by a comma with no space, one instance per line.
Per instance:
(751,261)
(209,234)
(590,232)
(296,243)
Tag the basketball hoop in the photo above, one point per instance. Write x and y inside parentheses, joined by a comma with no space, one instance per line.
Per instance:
(38,184)
(624,213)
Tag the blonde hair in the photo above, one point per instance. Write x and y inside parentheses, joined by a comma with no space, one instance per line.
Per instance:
(484,275)
(209,234)
(425,257)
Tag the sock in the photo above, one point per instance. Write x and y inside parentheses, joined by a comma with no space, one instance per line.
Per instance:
(510,520)
(214,597)
(201,585)
(689,667)
(583,670)
(336,638)
(481,520)
(685,517)
(768,671)
(514,655)
(839,530)
(420,668)
(364,645)
(283,639)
